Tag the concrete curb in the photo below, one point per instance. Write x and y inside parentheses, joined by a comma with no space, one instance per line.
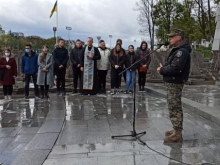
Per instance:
(39,148)
(209,113)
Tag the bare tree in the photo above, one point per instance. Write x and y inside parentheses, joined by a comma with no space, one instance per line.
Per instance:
(146,18)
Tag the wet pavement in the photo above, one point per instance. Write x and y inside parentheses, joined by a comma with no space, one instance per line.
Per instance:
(92,120)
(23,113)
(208,95)
(20,120)
(31,129)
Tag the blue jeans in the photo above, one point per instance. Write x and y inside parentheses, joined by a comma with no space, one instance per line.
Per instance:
(130,79)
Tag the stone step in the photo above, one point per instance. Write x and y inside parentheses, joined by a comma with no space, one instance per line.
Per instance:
(206,65)
(206,59)
(196,82)
(217,83)
(155,80)
(214,74)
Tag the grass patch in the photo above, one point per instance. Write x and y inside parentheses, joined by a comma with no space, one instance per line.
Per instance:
(206,52)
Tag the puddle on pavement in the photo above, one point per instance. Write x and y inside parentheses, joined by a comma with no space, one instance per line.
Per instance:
(119,106)
(208,95)
(23,113)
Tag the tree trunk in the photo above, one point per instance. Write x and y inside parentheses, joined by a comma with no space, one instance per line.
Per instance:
(210,20)
(152,40)
(146,18)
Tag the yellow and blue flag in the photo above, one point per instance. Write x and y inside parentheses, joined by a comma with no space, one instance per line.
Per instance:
(53,9)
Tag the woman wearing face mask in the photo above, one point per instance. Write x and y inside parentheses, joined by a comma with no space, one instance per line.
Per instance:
(45,72)
(8,64)
(116,60)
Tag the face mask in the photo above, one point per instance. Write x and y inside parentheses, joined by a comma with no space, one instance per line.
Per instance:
(27,50)
(7,54)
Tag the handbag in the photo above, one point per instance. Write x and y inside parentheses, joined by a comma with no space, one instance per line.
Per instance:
(2,74)
(141,69)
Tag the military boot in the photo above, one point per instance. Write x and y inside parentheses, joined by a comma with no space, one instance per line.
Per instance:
(175,137)
(168,133)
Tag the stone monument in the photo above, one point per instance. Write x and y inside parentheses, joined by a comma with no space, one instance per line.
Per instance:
(216,43)
(216,48)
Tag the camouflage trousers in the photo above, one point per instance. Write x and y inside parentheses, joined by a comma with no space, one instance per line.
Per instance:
(174,94)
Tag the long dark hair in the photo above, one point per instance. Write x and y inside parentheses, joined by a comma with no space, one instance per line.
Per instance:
(43,55)
(144,42)
(120,53)
(9,50)
(129,49)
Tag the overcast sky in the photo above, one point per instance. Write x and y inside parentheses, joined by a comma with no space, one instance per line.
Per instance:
(86,17)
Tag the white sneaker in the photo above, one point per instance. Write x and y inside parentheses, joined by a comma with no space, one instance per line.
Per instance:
(9,97)
(6,97)
(112,92)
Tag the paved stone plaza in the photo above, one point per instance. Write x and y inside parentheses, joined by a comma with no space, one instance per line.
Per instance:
(35,132)
(208,95)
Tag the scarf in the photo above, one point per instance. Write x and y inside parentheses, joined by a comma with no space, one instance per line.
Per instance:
(88,74)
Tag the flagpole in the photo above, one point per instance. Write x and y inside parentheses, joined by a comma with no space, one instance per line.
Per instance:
(57,25)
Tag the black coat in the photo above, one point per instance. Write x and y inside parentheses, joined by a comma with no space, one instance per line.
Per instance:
(75,56)
(117,60)
(177,68)
(131,59)
(60,56)
(146,61)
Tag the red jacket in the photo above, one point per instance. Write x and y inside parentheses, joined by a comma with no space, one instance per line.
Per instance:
(8,78)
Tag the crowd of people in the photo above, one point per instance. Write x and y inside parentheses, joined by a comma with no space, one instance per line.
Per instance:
(90,67)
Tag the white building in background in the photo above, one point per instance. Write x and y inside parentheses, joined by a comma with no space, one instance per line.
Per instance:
(1,30)
(216,42)
(18,34)
(205,43)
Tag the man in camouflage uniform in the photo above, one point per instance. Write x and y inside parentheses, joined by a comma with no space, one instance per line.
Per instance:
(175,73)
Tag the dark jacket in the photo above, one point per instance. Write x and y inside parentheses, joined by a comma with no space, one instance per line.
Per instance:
(75,56)
(117,59)
(177,68)
(29,65)
(8,78)
(142,53)
(60,56)
(131,59)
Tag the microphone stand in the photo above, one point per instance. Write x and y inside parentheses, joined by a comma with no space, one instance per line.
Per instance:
(134,134)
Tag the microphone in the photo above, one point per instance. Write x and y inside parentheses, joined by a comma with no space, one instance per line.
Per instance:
(165,44)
